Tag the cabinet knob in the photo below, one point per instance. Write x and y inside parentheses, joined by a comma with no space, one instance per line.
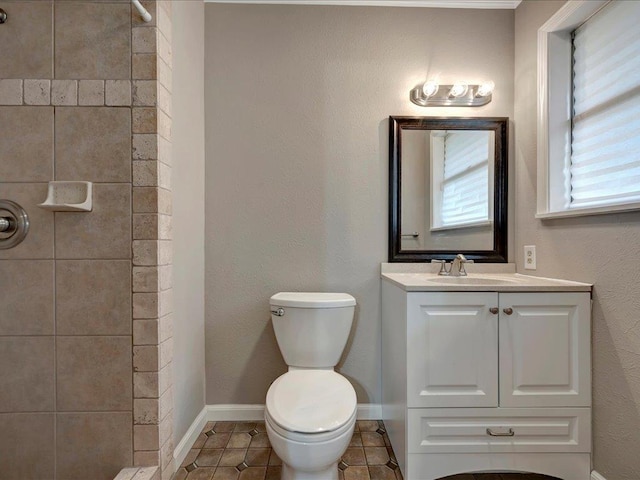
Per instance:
(508,311)
(494,310)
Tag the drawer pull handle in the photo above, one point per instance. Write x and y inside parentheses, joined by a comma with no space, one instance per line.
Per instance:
(508,311)
(510,433)
(494,310)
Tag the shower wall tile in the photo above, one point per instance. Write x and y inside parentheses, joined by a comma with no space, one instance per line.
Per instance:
(26,150)
(105,233)
(26,445)
(92,40)
(93,297)
(11,92)
(91,92)
(64,92)
(93,144)
(39,242)
(26,373)
(28,36)
(93,373)
(145,120)
(37,92)
(76,448)
(118,93)
(27,298)
(144,66)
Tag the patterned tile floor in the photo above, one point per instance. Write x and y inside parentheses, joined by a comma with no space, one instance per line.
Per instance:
(241,451)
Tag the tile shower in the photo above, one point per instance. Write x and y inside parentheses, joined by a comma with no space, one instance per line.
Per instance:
(85,329)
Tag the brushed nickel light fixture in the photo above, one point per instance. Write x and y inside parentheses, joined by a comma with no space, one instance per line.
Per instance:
(459,94)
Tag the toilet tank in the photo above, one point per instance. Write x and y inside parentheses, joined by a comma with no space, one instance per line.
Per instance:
(312,328)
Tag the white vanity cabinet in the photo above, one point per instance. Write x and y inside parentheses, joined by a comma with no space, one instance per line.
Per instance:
(487,381)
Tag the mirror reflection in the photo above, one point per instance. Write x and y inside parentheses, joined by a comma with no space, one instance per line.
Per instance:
(447,189)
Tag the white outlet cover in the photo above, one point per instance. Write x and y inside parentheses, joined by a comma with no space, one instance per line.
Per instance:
(529,257)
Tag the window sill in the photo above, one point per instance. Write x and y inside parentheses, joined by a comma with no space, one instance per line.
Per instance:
(460,226)
(582,212)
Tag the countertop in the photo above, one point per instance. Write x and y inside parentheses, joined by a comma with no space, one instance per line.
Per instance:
(481,282)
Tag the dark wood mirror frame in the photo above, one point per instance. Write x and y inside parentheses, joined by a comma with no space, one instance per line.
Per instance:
(500,128)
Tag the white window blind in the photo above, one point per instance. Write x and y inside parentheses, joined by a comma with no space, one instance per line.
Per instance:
(465,184)
(605,143)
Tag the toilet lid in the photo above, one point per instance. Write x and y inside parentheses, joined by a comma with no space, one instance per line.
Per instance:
(311,401)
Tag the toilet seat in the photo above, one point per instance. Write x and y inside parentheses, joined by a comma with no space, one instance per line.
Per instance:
(310,402)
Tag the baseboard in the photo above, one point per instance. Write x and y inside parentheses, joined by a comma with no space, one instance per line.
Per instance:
(596,476)
(189,438)
(249,413)
(366,411)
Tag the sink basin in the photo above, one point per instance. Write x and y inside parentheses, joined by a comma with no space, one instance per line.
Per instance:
(471,281)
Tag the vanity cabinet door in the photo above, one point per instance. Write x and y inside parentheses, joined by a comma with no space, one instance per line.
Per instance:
(452,350)
(545,349)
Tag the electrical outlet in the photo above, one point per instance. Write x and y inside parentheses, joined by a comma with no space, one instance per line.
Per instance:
(529,257)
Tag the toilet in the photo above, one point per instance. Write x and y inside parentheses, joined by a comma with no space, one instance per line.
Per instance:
(310,411)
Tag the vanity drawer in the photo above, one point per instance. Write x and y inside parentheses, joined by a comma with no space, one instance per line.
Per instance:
(447,430)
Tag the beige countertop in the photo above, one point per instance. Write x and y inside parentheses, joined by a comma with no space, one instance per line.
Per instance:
(488,280)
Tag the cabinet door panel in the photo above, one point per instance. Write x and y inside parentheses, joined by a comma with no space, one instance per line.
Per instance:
(452,350)
(545,350)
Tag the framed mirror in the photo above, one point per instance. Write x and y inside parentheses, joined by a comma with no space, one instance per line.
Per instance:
(448,188)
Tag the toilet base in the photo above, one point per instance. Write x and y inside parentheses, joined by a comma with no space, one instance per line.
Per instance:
(330,473)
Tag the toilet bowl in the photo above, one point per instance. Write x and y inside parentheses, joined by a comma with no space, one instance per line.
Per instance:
(310,411)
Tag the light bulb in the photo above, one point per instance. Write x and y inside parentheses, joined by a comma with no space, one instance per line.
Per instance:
(459,90)
(430,88)
(485,89)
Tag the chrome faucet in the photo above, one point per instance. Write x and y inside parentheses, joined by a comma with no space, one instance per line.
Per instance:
(456,269)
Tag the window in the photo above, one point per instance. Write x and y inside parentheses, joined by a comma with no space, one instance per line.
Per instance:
(589,114)
(461,180)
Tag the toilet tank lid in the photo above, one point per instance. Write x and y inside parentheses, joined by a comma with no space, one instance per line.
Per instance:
(312,300)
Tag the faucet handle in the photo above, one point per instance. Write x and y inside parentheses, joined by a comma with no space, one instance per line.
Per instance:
(443,267)
(463,260)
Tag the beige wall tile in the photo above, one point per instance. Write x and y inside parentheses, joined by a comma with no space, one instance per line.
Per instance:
(11,92)
(26,374)
(165,302)
(165,273)
(103,233)
(145,332)
(164,100)
(145,93)
(145,279)
(93,297)
(164,23)
(26,444)
(92,40)
(93,373)
(126,473)
(27,297)
(165,223)
(165,51)
(165,201)
(145,385)
(164,176)
(165,353)
(166,456)
(166,327)
(165,75)
(145,411)
(145,146)
(164,125)
(145,226)
(165,150)
(145,358)
(145,199)
(83,155)
(146,458)
(144,39)
(144,120)
(118,93)
(165,252)
(165,404)
(91,92)
(64,92)
(145,305)
(26,149)
(27,40)
(145,437)
(37,92)
(76,449)
(166,428)
(145,252)
(145,173)
(144,66)
(165,379)
(38,243)
(136,18)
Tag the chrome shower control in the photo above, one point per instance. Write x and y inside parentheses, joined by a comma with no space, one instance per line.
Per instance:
(14,224)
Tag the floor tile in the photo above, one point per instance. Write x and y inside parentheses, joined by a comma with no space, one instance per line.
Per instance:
(209,457)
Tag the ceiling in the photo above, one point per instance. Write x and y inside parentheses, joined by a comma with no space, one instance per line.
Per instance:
(504,4)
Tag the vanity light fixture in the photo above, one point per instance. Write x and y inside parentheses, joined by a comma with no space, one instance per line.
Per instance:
(460,94)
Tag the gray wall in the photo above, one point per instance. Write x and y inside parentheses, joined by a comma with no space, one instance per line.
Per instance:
(603,250)
(188,212)
(297,100)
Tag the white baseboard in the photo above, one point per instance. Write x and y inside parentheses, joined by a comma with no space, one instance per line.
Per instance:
(366,411)
(242,412)
(596,476)
(189,438)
